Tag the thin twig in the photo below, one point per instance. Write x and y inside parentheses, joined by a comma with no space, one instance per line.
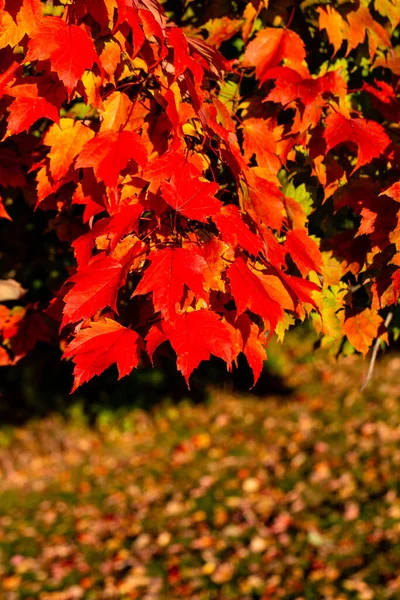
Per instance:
(370,371)
(354,288)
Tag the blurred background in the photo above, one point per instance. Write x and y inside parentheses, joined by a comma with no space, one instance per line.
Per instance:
(144,490)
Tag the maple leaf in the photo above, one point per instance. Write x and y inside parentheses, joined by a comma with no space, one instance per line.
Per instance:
(258,139)
(35,98)
(66,140)
(360,23)
(362,328)
(110,58)
(301,289)
(99,10)
(235,232)
(101,345)
(191,196)
(169,164)
(396,286)
(194,336)
(26,111)
(11,173)
(109,152)
(354,30)
(334,24)
(221,30)
(120,112)
(383,98)
(69,48)
(5,358)
(10,320)
(114,229)
(182,58)
(214,253)
(265,202)
(304,251)
(393,191)
(96,286)
(369,136)
(91,194)
(389,9)
(252,345)
(23,20)
(249,292)
(291,85)
(170,271)
(3,213)
(31,329)
(127,13)
(208,56)
(7,70)
(270,47)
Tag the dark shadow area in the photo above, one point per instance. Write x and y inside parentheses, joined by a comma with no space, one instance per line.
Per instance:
(41,382)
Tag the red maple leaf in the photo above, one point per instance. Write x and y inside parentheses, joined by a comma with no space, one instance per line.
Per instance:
(270,47)
(249,292)
(69,48)
(3,213)
(191,196)
(369,137)
(115,228)
(304,251)
(99,346)
(26,111)
(108,153)
(235,232)
(258,139)
(95,286)
(66,141)
(18,18)
(251,343)
(194,336)
(393,191)
(170,271)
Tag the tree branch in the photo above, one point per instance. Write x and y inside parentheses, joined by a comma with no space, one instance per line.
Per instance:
(375,350)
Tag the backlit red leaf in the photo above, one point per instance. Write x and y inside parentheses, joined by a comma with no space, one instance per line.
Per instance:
(369,137)
(170,271)
(24,112)
(69,48)
(258,140)
(191,196)
(3,213)
(194,336)
(66,141)
(393,191)
(23,19)
(108,153)
(303,251)
(101,345)
(253,343)
(249,292)
(235,232)
(270,47)
(95,287)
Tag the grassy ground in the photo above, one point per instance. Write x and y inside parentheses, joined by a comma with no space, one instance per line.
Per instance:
(294,498)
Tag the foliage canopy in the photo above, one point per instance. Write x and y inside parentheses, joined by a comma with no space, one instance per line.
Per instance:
(208,176)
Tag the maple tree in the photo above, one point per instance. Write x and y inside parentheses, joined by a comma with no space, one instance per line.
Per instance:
(200,197)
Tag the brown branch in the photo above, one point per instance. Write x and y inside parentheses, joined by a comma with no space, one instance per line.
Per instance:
(375,350)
